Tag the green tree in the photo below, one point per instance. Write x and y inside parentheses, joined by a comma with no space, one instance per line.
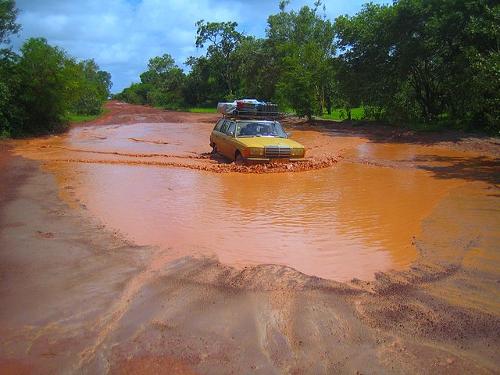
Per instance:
(303,43)
(9,80)
(41,84)
(136,93)
(258,69)
(424,60)
(162,85)
(222,40)
(366,73)
(166,82)
(87,86)
(8,27)
(200,87)
(8,24)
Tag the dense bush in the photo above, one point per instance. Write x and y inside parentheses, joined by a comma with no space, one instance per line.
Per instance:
(425,60)
(414,61)
(41,86)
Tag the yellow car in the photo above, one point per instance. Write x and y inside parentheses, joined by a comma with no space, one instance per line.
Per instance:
(254,141)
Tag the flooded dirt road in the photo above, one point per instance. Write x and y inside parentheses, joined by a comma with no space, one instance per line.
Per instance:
(184,262)
(155,184)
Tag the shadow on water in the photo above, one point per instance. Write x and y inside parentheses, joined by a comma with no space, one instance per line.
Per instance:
(478,168)
(453,166)
(378,132)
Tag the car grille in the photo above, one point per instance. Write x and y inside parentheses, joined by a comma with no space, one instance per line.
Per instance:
(277,152)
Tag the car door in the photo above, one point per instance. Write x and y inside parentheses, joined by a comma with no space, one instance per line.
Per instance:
(216,133)
(226,136)
(221,137)
(230,140)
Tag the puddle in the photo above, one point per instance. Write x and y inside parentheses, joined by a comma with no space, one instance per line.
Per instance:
(346,221)
(339,223)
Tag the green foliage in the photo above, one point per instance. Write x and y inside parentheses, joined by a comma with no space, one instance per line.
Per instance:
(8,25)
(303,41)
(88,87)
(7,81)
(202,110)
(340,114)
(222,40)
(94,89)
(420,60)
(42,85)
(162,85)
(214,76)
(258,69)
(135,94)
(200,86)
(422,63)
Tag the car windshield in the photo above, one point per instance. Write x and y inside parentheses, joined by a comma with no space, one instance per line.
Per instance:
(259,129)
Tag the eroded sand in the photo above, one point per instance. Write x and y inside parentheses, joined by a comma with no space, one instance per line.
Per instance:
(80,297)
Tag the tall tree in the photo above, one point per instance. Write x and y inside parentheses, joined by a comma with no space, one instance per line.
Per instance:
(8,24)
(200,86)
(304,43)
(162,84)
(258,69)
(42,83)
(424,60)
(222,39)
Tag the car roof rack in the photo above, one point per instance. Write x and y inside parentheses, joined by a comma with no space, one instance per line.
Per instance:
(250,115)
(249,109)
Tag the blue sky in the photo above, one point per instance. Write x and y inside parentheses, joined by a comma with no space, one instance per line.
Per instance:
(121,35)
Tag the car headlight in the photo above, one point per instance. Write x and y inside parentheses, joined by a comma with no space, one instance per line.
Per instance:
(298,152)
(256,151)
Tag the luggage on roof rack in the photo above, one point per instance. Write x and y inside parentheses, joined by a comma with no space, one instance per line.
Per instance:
(249,108)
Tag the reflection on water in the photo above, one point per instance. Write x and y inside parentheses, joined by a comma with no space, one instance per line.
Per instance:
(343,222)
(347,221)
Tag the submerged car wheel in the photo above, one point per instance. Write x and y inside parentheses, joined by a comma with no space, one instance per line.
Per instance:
(238,159)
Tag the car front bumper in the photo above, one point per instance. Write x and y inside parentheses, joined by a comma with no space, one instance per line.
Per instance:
(277,160)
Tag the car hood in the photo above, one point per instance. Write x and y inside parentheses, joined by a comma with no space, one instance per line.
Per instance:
(268,141)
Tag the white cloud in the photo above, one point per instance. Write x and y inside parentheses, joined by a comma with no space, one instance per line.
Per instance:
(122,35)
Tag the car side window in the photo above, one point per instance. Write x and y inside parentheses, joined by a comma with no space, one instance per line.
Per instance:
(224,126)
(219,125)
(231,129)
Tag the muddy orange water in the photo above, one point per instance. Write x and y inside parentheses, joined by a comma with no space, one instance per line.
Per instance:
(356,212)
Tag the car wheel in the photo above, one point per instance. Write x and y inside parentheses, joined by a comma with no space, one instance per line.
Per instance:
(214,149)
(238,159)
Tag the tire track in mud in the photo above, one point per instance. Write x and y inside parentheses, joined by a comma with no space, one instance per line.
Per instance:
(153,141)
(132,155)
(209,272)
(302,166)
(206,161)
(111,320)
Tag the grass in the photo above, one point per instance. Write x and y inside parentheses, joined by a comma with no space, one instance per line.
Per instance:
(340,114)
(4,134)
(202,110)
(73,117)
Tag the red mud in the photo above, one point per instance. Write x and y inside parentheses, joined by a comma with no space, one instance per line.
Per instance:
(80,297)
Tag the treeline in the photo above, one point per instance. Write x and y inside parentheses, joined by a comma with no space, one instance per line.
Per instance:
(415,61)
(41,86)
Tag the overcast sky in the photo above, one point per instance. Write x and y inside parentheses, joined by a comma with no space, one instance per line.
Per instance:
(121,35)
